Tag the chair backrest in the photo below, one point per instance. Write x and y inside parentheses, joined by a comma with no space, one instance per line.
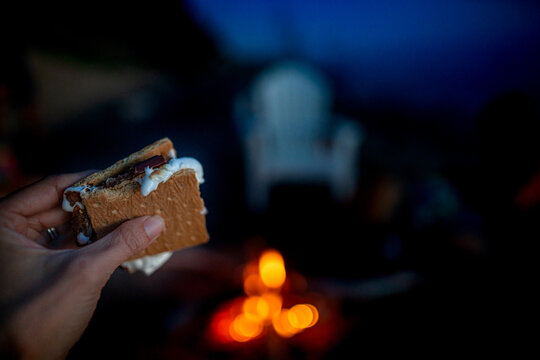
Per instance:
(291,106)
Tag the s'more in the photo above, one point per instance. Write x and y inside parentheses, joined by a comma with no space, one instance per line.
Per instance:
(152,181)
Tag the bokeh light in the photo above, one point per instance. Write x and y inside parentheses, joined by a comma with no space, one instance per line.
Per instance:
(246,317)
(253,285)
(302,316)
(274,302)
(256,308)
(244,328)
(282,325)
(272,269)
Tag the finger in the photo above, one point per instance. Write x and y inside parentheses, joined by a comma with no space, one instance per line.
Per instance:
(66,238)
(49,218)
(65,241)
(42,195)
(37,225)
(124,242)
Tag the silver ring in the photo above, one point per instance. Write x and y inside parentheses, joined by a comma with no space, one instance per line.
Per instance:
(52,233)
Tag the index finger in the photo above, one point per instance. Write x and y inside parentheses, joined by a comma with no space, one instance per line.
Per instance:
(42,195)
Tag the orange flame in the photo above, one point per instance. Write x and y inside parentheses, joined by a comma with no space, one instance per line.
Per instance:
(272,269)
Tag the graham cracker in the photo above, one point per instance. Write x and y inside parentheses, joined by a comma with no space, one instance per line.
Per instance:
(177,201)
(161,147)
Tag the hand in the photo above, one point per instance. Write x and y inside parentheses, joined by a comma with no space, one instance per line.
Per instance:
(48,296)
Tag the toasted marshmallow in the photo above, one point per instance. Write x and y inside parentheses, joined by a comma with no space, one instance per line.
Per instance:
(153,178)
(147,264)
(83,239)
(66,205)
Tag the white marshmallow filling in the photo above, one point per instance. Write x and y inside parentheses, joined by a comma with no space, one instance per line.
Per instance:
(154,177)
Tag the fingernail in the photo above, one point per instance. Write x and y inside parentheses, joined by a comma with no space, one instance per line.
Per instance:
(153,226)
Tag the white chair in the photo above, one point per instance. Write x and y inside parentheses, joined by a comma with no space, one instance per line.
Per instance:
(290,136)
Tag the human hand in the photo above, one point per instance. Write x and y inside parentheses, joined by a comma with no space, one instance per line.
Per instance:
(47,296)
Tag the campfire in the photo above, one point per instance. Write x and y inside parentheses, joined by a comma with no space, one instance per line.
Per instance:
(267,306)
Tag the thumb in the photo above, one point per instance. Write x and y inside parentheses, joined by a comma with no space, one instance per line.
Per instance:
(125,241)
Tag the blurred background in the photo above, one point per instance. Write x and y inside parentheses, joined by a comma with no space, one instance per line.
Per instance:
(387,150)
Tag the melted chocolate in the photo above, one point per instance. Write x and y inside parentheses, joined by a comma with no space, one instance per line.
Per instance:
(134,171)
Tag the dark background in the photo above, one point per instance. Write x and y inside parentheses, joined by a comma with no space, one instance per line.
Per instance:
(447,93)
